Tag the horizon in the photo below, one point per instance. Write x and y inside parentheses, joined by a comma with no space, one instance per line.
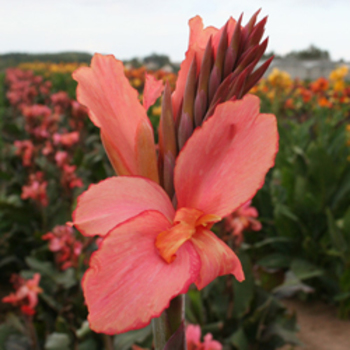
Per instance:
(137,29)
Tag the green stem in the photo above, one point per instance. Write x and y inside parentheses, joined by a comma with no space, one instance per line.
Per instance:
(169,321)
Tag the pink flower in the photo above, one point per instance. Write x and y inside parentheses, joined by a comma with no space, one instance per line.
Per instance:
(67,139)
(63,243)
(47,149)
(69,177)
(241,220)
(60,101)
(193,338)
(36,111)
(61,158)
(26,295)
(25,149)
(150,246)
(36,189)
(152,252)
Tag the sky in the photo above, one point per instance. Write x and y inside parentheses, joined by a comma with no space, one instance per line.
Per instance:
(137,28)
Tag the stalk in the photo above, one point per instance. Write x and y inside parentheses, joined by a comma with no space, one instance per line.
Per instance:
(169,322)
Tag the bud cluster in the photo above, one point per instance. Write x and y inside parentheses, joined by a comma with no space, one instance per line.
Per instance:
(226,73)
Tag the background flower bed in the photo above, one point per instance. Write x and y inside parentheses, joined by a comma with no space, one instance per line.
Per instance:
(50,152)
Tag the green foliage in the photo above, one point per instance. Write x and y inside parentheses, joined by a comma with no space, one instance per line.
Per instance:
(311,53)
(305,206)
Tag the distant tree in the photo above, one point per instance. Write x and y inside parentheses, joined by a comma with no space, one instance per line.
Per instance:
(311,53)
(159,60)
(134,62)
(270,54)
(15,58)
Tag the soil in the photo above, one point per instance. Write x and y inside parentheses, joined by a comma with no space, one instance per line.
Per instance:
(319,327)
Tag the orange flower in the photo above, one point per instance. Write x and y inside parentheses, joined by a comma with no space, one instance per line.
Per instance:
(323,102)
(319,85)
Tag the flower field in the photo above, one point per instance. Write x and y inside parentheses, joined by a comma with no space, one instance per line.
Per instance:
(293,238)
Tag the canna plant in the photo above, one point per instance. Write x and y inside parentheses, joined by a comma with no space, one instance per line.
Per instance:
(215,149)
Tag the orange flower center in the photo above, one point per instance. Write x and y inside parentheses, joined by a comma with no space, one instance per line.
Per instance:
(187,222)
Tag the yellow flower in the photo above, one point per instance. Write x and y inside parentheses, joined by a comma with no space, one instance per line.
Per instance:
(280,79)
(136,82)
(339,73)
(157,110)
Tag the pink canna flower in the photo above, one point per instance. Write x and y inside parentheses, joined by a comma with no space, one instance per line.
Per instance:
(36,189)
(67,139)
(244,218)
(155,247)
(151,247)
(60,101)
(25,149)
(61,158)
(63,243)
(26,295)
(193,337)
(69,178)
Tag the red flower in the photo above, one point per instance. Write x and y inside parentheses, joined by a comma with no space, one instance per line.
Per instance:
(241,220)
(193,338)
(26,295)
(64,244)
(36,189)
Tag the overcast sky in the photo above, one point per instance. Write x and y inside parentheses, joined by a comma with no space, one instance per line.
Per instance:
(136,28)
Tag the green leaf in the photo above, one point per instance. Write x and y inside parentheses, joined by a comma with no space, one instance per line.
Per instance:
(125,340)
(44,268)
(89,344)
(66,278)
(83,330)
(57,341)
(5,332)
(275,261)
(286,335)
(196,305)
(291,286)
(282,209)
(239,340)
(243,291)
(271,241)
(303,269)
(337,239)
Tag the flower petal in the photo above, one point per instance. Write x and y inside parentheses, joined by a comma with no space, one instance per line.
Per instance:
(199,37)
(116,199)
(216,257)
(113,106)
(225,161)
(153,89)
(197,43)
(128,283)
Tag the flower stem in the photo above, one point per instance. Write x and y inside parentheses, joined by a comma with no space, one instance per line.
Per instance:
(168,323)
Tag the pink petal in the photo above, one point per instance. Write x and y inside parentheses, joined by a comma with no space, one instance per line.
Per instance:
(225,161)
(116,199)
(199,37)
(128,283)
(197,43)
(193,334)
(153,89)
(210,344)
(114,107)
(216,257)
